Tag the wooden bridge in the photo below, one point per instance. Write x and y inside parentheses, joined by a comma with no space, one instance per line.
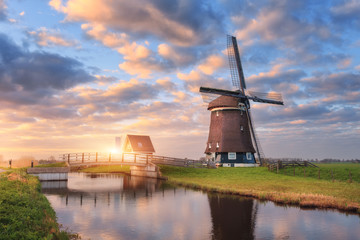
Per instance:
(131,159)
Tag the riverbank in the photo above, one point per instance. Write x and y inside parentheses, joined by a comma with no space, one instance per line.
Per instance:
(107,169)
(25,213)
(262,184)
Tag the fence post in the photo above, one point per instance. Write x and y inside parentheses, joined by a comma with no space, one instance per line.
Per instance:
(69,158)
(332,175)
(350,176)
(109,157)
(96,157)
(147,159)
(319,173)
(122,157)
(294,169)
(82,158)
(277,167)
(304,172)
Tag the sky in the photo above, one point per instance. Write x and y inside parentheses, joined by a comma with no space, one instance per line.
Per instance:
(75,74)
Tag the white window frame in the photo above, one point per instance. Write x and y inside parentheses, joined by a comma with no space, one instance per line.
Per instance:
(217,145)
(248,155)
(209,145)
(232,155)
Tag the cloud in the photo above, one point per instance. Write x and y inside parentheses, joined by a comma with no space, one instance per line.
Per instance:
(47,38)
(288,27)
(344,63)
(139,60)
(183,22)
(2,10)
(194,79)
(178,56)
(31,77)
(347,11)
(211,64)
(336,88)
(277,78)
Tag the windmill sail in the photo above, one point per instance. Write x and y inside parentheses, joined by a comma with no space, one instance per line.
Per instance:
(237,74)
(255,138)
(271,97)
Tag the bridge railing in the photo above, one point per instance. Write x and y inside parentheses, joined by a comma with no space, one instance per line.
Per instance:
(98,157)
(139,158)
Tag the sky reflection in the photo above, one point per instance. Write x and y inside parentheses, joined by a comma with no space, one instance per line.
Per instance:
(122,207)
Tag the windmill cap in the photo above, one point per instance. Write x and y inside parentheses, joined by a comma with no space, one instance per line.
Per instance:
(223,101)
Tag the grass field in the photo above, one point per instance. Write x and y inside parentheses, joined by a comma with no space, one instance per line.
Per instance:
(281,188)
(328,171)
(25,213)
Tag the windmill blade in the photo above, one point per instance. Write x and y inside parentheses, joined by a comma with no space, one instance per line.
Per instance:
(254,136)
(272,97)
(237,74)
(222,92)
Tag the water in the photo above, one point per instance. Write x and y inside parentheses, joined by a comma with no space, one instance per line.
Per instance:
(114,206)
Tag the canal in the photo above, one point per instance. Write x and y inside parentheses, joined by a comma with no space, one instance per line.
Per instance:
(116,206)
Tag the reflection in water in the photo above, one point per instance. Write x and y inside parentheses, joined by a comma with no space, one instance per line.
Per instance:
(113,206)
(124,207)
(232,218)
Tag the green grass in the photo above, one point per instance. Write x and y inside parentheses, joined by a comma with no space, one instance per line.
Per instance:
(58,164)
(340,171)
(107,169)
(260,183)
(25,213)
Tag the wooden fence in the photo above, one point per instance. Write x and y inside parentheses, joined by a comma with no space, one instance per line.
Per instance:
(178,162)
(283,164)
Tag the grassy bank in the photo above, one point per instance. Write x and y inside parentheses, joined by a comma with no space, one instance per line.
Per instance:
(107,169)
(344,172)
(262,184)
(25,213)
(58,164)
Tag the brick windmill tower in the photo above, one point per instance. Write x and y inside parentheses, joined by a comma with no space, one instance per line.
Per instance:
(232,138)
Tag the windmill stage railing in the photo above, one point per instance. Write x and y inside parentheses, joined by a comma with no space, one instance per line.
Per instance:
(128,159)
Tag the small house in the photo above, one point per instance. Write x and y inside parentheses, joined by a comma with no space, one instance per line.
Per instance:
(138,144)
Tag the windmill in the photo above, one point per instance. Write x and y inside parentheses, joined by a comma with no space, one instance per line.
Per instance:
(232,135)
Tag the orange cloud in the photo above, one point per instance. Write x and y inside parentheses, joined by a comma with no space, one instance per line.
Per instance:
(301,121)
(344,63)
(46,38)
(118,14)
(211,64)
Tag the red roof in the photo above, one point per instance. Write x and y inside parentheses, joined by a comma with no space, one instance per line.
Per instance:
(139,143)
